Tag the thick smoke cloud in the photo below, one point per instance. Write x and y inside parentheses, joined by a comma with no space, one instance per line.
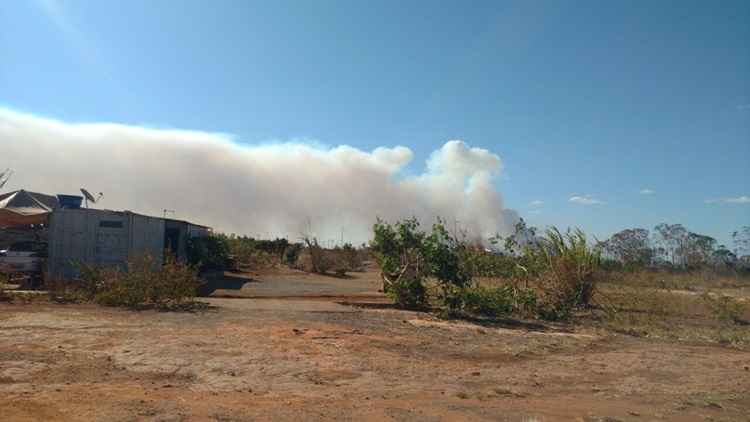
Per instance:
(265,190)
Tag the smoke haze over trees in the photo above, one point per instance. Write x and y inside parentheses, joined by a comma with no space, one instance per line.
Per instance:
(261,190)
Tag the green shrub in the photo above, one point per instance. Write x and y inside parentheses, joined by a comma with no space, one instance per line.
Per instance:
(210,252)
(253,253)
(291,254)
(487,301)
(350,257)
(493,301)
(146,283)
(320,261)
(398,250)
(480,263)
(408,293)
(408,257)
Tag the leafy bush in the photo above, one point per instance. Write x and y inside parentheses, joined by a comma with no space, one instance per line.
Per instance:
(291,254)
(350,257)
(320,261)
(493,301)
(408,293)
(480,263)
(145,283)
(210,252)
(408,256)
(398,250)
(487,301)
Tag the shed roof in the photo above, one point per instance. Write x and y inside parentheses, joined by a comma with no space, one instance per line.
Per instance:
(22,207)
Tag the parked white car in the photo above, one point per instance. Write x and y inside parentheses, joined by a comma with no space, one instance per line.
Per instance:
(23,258)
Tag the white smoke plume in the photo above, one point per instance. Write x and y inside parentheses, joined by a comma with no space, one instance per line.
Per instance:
(266,190)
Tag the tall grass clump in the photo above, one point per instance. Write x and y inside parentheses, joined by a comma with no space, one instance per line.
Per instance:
(563,266)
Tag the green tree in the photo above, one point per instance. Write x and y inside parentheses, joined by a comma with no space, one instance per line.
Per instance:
(408,257)
(631,247)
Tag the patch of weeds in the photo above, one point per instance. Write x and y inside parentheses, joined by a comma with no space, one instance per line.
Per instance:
(672,316)
(27,297)
(710,400)
(490,302)
(733,336)
(724,308)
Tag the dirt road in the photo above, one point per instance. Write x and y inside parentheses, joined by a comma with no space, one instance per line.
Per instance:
(291,283)
(282,359)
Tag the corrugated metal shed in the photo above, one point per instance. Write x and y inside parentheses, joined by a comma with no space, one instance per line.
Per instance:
(102,238)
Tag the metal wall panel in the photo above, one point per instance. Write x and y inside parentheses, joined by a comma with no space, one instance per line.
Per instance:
(70,232)
(146,238)
(102,238)
(107,238)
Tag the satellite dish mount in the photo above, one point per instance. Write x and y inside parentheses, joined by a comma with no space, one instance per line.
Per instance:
(90,198)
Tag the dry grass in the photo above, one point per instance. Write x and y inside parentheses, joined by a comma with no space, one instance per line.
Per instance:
(682,307)
(700,307)
(692,281)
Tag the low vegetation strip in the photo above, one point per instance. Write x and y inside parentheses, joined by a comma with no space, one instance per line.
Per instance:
(624,285)
(144,283)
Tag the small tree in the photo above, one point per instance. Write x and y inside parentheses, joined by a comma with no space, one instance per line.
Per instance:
(320,261)
(741,240)
(523,235)
(408,257)
(697,250)
(398,250)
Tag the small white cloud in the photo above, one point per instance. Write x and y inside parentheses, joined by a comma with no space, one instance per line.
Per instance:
(584,200)
(536,204)
(744,199)
(647,191)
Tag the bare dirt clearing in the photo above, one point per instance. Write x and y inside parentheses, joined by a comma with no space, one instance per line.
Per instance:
(315,359)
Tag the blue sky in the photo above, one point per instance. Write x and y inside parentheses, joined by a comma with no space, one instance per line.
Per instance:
(596,100)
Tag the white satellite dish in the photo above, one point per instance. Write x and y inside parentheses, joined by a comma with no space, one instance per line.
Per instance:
(89,197)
